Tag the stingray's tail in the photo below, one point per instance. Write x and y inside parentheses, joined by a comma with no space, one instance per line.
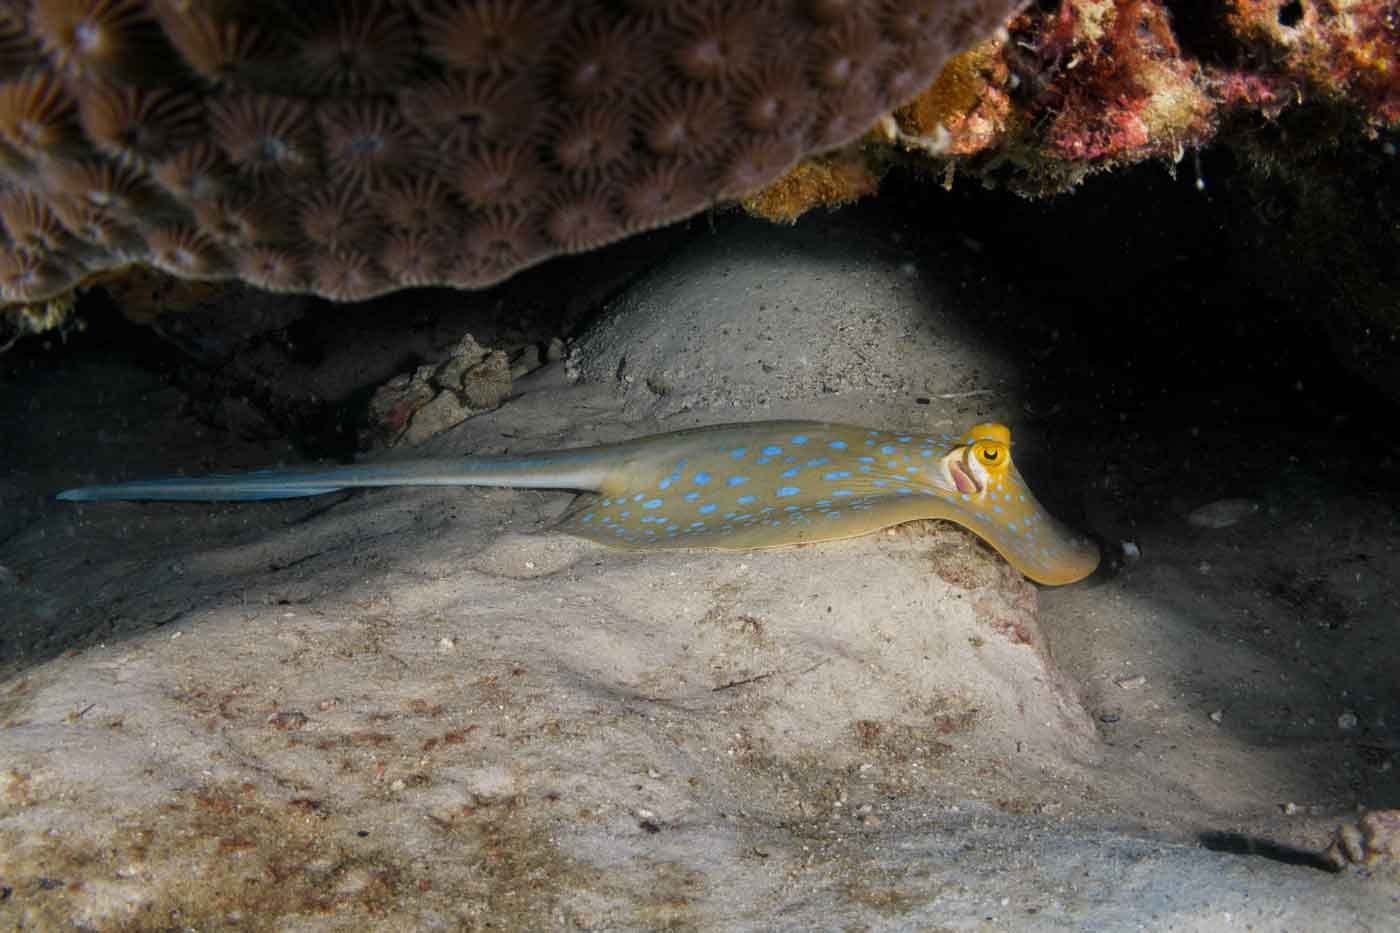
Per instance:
(561,469)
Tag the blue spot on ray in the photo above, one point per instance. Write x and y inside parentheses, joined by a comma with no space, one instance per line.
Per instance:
(799,438)
(771,450)
(745,500)
(837,445)
(788,491)
(790,473)
(738,453)
(736,480)
(691,496)
(707,508)
(701,478)
(836,474)
(652,504)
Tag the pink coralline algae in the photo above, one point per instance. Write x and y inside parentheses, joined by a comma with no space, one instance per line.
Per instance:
(1090,85)
(1118,85)
(1341,50)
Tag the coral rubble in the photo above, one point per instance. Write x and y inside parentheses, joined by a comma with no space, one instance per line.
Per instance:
(412,407)
(1073,88)
(1372,841)
(351,148)
(1347,51)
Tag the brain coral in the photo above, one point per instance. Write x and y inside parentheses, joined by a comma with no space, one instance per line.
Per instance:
(351,147)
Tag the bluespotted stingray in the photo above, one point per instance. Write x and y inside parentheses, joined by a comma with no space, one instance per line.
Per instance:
(739,486)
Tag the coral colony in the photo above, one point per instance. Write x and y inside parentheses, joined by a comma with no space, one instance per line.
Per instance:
(352,147)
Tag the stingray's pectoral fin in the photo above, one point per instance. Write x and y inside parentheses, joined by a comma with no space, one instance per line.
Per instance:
(1058,556)
(1031,539)
(588,518)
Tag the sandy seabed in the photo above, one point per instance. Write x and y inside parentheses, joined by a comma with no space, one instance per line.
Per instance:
(421,708)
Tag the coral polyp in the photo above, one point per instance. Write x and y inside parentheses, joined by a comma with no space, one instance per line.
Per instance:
(718,41)
(495,35)
(94,37)
(336,218)
(599,61)
(500,175)
(591,140)
(38,116)
(185,251)
(347,275)
(661,191)
(32,224)
(354,45)
(219,48)
(415,256)
(689,122)
(140,123)
(367,141)
(272,268)
(583,218)
(262,133)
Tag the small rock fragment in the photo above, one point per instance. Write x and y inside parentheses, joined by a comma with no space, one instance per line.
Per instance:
(1222,513)
(1217,716)
(1347,721)
(1130,550)
(391,409)
(410,409)
(1131,683)
(1374,839)
(287,720)
(441,412)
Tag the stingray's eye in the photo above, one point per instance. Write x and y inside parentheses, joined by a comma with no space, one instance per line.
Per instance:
(991,454)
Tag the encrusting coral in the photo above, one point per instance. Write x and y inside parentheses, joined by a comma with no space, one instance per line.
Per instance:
(351,147)
(1074,87)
